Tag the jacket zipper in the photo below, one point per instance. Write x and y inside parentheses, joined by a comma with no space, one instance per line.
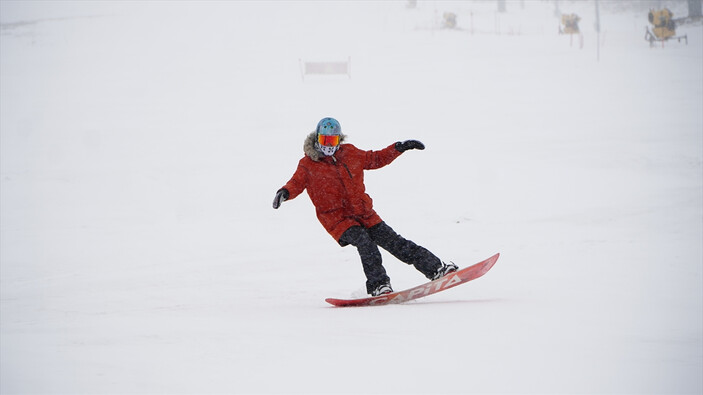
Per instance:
(345,167)
(348,172)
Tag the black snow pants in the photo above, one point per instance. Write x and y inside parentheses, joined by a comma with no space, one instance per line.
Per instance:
(367,241)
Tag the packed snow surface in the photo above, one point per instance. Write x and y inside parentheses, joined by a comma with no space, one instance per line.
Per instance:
(142,144)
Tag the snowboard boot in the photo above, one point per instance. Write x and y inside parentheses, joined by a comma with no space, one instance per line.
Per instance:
(382,290)
(445,269)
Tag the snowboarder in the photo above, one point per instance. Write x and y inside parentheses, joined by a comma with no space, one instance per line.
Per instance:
(333,174)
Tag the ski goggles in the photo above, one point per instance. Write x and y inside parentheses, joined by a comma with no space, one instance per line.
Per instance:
(330,141)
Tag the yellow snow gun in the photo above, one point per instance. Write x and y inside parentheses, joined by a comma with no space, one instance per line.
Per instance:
(664,27)
(571,24)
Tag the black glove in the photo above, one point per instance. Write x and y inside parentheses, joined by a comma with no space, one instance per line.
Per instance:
(409,144)
(281,196)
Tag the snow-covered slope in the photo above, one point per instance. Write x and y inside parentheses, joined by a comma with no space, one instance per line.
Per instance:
(142,144)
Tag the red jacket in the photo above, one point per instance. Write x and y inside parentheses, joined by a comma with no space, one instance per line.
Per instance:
(336,187)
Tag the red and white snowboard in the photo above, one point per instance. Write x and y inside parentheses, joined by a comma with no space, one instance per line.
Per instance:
(449,281)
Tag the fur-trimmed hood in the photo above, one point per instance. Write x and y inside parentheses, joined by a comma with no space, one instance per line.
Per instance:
(309,146)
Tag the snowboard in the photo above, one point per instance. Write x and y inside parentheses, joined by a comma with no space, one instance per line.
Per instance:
(449,281)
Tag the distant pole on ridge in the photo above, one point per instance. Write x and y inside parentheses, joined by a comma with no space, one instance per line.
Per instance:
(597,32)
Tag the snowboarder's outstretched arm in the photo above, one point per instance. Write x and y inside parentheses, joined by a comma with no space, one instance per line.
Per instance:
(294,187)
(381,158)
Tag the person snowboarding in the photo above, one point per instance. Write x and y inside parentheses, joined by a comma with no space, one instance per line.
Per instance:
(333,175)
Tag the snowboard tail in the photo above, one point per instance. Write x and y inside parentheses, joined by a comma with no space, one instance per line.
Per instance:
(451,280)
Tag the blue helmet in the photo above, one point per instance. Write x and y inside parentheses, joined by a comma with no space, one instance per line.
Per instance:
(329,127)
